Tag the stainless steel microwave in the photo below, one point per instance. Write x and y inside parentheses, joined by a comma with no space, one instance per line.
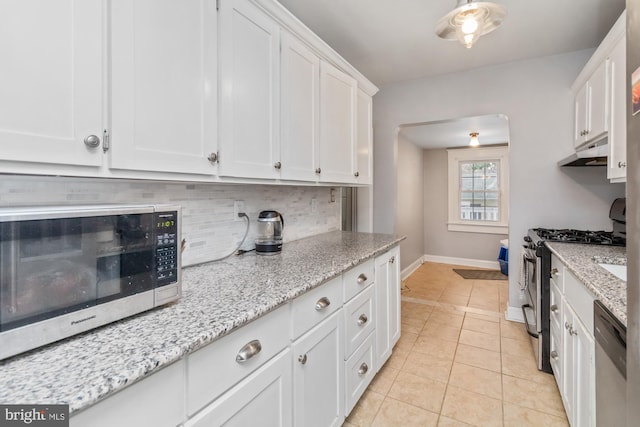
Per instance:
(65,270)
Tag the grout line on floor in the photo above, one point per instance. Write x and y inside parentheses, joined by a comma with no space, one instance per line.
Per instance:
(473,310)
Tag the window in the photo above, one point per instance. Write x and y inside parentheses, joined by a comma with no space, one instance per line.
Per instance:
(479,190)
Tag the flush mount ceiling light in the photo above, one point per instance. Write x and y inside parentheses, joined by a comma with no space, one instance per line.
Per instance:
(473,142)
(470,20)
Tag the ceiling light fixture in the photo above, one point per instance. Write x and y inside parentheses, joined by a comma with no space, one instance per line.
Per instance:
(473,142)
(470,20)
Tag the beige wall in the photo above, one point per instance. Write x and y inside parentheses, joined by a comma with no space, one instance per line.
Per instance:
(410,205)
(438,240)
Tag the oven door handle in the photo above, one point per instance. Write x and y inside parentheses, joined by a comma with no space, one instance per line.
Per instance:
(526,321)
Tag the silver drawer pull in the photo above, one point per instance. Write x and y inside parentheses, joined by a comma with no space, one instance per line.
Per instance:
(363,369)
(554,308)
(322,303)
(302,358)
(554,355)
(573,331)
(362,319)
(567,325)
(362,278)
(249,350)
(555,272)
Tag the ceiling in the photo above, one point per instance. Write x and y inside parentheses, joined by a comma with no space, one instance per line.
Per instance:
(493,129)
(390,41)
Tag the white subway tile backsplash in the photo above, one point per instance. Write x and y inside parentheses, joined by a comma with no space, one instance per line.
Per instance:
(207,209)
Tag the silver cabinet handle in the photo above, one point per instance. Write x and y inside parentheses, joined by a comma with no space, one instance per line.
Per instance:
(554,355)
(213,157)
(318,171)
(362,319)
(566,325)
(92,141)
(302,358)
(277,165)
(357,174)
(362,278)
(622,164)
(392,260)
(249,350)
(322,303)
(573,331)
(554,308)
(364,368)
(555,272)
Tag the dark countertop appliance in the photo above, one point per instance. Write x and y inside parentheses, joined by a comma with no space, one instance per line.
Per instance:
(269,240)
(537,273)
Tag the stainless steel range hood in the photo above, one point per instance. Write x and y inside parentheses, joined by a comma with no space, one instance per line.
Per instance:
(592,155)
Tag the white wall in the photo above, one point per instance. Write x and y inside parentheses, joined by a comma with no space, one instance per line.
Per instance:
(535,95)
(207,209)
(438,240)
(410,196)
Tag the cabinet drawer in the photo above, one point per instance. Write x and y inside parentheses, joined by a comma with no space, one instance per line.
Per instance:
(316,305)
(555,311)
(214,369)
(359,319)
(557,272)
(357,279)
(359,371)
(580,299)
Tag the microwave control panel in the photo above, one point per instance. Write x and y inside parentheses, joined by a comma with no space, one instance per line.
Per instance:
(166,232)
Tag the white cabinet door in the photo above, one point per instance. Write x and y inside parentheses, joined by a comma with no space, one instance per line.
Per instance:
(584,374)
(163,85)
(318,375)
(364,134)
(337,125)
(299,102)
(617,162)
(598,123)
(387,283)
(568,362)
(249,91)
(51,80)
(582,115)
(263,398)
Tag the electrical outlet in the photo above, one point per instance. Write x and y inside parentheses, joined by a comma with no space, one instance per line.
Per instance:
(314,205)
(238,206)
(332,195)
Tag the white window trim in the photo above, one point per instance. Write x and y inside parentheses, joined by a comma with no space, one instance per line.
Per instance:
(478,154)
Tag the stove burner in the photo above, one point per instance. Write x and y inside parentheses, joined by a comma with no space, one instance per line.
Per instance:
(579,236)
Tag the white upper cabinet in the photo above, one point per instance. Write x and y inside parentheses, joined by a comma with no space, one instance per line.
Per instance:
(249,91)
(592,108)
(364,134)
(337,125)
(52,81)
(299,105)
(617,162)
(163,85)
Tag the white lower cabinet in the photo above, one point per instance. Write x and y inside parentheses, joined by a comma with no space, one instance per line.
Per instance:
(318,377)
(387,278)
(264,398)
(359,371)
(572,348)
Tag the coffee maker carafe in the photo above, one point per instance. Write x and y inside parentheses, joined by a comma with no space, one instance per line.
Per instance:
(269,239)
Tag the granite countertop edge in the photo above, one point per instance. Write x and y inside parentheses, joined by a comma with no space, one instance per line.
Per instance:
(205,291)
(609,289)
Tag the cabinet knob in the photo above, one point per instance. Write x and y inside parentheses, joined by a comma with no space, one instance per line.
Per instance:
(277,165)
(573,331)
(555,272)
(302,358)
(567,325)
(322,303)
(392,260)
(554,308)
(554,355)
(364,368)
(362,278)
(92,141)
(249,350)
(622,164)
(357,174)
(318,171)
(213,157)
(362,319)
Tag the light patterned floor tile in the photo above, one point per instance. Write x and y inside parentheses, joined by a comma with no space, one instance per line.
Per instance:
(425,393)
(533,395)
(450,422)
(394,413)
(443,349)
(366,409)
(383,380)
(517,416)
(478,357)
(472,408)
(481,340)
(427,366)
(479,325)
(477,380)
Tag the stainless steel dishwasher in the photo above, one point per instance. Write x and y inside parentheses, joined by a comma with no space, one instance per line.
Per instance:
(611,367)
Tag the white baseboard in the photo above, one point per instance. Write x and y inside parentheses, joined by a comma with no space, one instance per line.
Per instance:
(514,314)
(411,268)
(494,265)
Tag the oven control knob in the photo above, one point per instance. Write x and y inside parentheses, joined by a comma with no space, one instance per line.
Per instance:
(527,239)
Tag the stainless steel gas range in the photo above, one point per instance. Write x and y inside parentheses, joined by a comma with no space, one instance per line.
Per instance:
(537,272)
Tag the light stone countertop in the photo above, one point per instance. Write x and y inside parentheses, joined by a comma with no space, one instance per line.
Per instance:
(609,289)
(217,298)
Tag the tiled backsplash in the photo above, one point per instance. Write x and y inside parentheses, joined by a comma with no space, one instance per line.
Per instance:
(207,209)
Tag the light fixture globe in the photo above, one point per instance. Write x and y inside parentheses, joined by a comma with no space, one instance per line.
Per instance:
(470,20)
(474,142)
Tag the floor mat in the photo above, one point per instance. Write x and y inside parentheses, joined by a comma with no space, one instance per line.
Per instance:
(481,274)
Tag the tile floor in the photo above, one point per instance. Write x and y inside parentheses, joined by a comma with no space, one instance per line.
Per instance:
(458,361)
